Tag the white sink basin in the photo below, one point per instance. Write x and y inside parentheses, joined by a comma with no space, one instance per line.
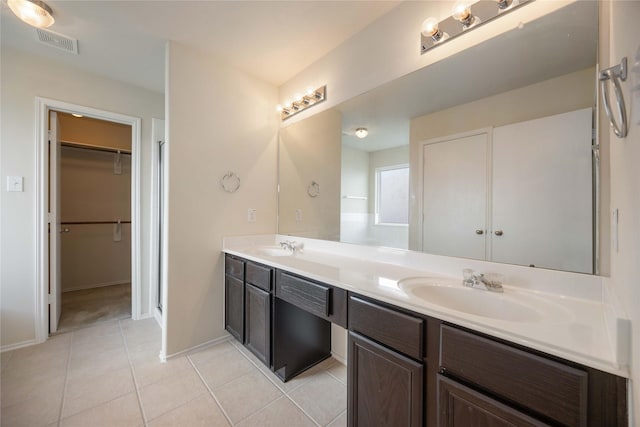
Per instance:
(273,251)
(510,306)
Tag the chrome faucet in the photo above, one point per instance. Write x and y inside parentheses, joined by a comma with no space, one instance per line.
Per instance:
(292,246)
(491,282)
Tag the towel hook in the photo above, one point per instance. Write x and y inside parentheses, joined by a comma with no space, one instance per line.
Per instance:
(615,74)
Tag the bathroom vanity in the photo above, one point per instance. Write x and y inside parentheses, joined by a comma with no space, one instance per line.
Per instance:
(408,363)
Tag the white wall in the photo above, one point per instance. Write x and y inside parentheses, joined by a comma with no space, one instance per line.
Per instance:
(219,120)
(625,179)
(23,77)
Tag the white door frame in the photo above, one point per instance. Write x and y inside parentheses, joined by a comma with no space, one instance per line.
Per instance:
(43,105)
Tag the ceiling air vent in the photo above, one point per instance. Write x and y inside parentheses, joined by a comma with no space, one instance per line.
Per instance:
(57,40)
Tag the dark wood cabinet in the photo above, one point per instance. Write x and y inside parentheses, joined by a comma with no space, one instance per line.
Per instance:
(258,323)
(460,406)
(384,387)
(234,297)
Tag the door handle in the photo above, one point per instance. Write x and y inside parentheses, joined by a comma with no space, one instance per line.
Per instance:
(64,230)
(479,232)
(499,233)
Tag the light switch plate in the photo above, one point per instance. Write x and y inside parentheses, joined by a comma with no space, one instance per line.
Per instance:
(15,183)
(298,215)
(251,215)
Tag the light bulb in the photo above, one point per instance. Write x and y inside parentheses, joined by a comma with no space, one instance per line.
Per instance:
(34,12)
(287,104)
(461,11)
(279,108)
(298,97)
(430,27)
(310,92)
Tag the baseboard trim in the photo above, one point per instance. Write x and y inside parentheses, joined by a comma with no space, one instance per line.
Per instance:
(224,338)
(339,358)
(10,347)
(97,285)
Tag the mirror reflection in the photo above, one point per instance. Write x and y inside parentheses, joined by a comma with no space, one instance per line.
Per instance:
(486,154)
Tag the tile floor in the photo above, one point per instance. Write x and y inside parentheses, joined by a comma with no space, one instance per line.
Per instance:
(110,375)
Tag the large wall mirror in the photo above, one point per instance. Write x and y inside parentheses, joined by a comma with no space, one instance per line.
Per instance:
(487,154)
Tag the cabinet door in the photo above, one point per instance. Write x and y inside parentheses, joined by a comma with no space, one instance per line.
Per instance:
(454,195)
(234,307)
(460,406)
(258,322)
(542,192)
(385,387)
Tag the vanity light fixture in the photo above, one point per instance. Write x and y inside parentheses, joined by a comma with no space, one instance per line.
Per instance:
(302,102)
(34,12)
(470,14)
(362,133)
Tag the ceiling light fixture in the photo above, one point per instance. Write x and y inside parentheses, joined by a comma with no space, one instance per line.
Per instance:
(34,12)
(362,133)
(77,115)
(469,13)
(302,102)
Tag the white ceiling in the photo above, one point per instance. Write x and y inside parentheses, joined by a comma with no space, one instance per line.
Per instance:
(125,40)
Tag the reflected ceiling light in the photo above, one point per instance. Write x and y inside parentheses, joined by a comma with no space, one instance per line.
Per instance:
(362,133)
(34,12)
(469,13)
(301,102)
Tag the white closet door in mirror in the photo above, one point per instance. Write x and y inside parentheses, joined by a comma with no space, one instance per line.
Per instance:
(542,192)
(454,197)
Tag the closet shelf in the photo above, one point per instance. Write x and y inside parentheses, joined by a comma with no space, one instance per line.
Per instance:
(84,146)
(93,222)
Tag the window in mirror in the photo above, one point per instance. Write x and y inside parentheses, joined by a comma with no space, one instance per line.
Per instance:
(392,195)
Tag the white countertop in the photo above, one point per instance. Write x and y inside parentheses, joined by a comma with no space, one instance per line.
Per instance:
(583,324)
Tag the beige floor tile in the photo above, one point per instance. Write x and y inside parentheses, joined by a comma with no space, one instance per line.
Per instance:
(121,412)
(246,395)
(224,368)
(49,356)
(323,398)
(202,411)
(142,336)
(280,413)
(341,421)
(98,330)
(153,370)
(94,365)
(35,412)
(170,393)
(18,389)
(148,351)
(89,345)
(202,355)
(338,371)
(130,324)
(82,394)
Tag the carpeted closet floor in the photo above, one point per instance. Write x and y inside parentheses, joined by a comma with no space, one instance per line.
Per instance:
(89,306)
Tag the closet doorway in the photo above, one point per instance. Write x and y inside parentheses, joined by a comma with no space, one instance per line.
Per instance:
(88,214)
(93,193)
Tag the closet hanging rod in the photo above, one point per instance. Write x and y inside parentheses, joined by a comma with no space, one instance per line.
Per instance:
(93,222)
(84,146)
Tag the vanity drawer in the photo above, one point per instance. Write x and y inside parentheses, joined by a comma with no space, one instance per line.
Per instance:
(259,276)
(310,296)
(549,388)
(234,267)
(397,330)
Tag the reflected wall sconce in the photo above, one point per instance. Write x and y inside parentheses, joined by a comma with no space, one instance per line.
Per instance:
(34,12)
(302,102)
(466,15)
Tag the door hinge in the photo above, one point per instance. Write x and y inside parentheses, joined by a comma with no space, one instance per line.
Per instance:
(51,299)
(49,217)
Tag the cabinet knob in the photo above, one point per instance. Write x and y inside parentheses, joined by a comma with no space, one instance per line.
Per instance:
(479,232)
(498,233)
